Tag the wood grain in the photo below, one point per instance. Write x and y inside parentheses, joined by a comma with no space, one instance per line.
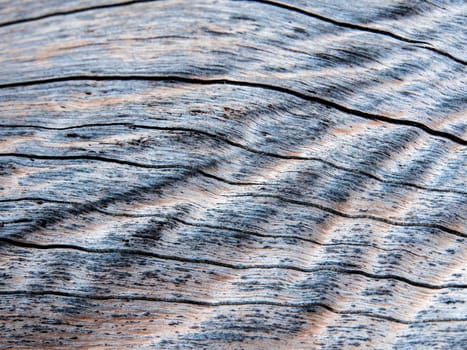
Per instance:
(233,175)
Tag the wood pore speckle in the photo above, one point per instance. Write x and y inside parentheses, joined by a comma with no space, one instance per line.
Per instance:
(233,174)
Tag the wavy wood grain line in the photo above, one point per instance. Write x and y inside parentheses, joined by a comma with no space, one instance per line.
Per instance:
(233,175)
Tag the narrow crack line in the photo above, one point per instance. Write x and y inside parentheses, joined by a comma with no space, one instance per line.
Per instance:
(305,306)
(71,12)
(423,44)
(128,163)
(258,234)
(354,216)
(320,100)
(18,221)
(169,218)
(39,199)
(201,225)
(254,195)
(244,147)
(319,268)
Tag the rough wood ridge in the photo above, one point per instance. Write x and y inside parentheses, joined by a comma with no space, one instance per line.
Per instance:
(233,174)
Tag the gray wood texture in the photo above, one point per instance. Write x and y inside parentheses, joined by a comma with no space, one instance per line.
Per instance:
(233,174)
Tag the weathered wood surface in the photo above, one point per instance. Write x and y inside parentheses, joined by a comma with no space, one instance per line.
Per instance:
(233,174)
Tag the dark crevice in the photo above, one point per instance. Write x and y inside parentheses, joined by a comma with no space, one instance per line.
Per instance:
(12,222)
(304,306)
(322,267)
(354,216)
(422,44)
(299,238)
(252,233)
(88,157)
(70,12)
(315,205)
(328,103)
(169,218)
(244,147)
(40,199)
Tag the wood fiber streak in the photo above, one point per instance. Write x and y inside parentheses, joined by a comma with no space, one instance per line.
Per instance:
(357,70)
(233,174)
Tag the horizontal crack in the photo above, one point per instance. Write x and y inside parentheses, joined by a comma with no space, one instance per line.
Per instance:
(70,12)
(169,78)
(318,206)
(126,162)
(245,147)
(425,45)
(202,225)
(233,266)
(302,305)
(352,216)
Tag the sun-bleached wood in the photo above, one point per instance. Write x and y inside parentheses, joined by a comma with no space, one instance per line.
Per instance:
(232,175)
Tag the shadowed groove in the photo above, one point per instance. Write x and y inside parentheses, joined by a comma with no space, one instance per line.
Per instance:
(306,97)
(170,218)
(303,305)
(126,162)
(145,215)
(244,147)
(71,12)
(387,33)
(421,44)
(321,267)
(315,205)
(318,206)
(355,216)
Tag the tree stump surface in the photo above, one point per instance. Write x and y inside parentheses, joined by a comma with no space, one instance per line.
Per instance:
(218,174)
